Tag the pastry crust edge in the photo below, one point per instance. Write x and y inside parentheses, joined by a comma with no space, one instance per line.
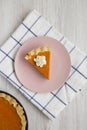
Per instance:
(36,51)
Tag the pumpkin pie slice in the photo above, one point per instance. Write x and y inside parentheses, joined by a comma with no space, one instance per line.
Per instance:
(12,115)
(40,59)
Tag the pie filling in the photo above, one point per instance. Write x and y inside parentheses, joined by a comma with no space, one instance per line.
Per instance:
(43,55)
(11,114)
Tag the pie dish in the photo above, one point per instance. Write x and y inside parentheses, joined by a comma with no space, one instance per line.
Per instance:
(12,114)
(40,59)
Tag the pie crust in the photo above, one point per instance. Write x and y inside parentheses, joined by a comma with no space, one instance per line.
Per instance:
(17,108)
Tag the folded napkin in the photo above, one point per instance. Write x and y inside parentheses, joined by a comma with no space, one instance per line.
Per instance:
(52,103)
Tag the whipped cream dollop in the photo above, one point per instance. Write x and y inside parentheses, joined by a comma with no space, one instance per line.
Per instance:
(40,61)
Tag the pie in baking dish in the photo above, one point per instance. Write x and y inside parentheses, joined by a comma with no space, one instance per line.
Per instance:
(40,59)
(12,115)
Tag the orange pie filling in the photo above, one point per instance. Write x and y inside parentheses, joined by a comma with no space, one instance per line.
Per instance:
(11,114)
(41,52)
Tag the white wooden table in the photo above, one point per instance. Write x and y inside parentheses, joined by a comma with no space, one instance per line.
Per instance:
(70,18)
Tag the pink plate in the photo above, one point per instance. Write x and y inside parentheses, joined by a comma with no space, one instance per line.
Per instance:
(31,78)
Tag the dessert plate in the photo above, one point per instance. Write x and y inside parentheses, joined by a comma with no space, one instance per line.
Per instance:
(30,77)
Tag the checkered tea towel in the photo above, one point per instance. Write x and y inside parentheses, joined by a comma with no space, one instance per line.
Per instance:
(52,103)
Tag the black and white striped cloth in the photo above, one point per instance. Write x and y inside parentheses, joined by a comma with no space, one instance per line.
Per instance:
(51,104)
